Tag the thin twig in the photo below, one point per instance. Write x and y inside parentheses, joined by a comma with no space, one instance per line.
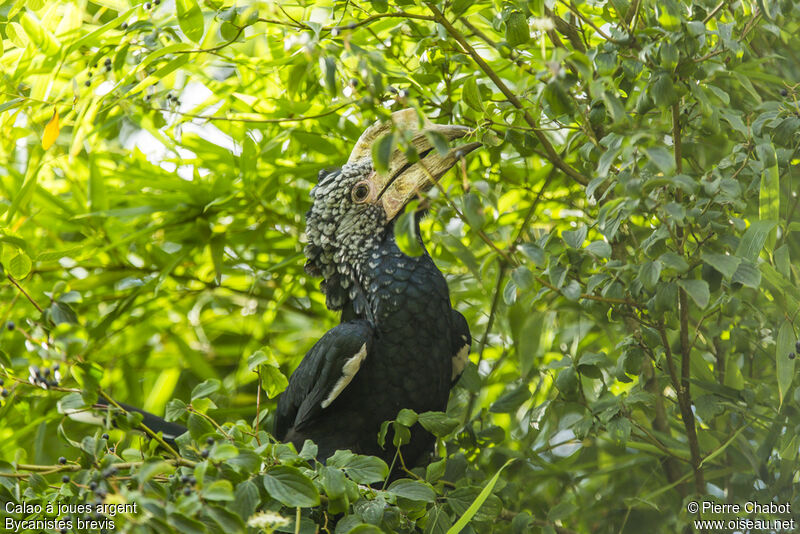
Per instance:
(25,293)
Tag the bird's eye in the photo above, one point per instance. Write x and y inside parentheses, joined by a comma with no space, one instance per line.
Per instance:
(360,192)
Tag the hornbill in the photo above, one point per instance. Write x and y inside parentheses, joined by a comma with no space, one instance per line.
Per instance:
(399,344)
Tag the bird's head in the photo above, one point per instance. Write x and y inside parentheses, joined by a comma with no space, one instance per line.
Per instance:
(354,207)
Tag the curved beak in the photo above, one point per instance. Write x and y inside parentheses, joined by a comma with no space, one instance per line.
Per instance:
(403,180)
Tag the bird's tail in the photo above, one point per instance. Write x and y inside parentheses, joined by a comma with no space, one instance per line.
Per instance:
(98,415)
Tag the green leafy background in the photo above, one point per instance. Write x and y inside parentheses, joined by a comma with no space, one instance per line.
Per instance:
(624,247)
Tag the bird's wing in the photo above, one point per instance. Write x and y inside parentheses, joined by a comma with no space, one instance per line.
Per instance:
(323,374)
(461,343)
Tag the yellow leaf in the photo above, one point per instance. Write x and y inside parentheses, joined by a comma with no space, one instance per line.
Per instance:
(51,131)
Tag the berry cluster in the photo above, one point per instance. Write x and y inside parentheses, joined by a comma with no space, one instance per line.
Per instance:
(45,377)
(188,482)
(106,66)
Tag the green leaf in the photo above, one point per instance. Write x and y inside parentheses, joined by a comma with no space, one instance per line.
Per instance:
(722,262)
(600,249)
(662,91)
(413,490)
(382,152)
(517,30)
(557,99)
(670,260)
(406,417)
(362,469)
(697,289)
(661,158)
(523,278)
(405,234)
(190,19)
(19,265)
(204,389)
(649,274)
(223,451)
(290,487)
(219,490)
(575,238)
(479,500)
(217,247)
(784,364)
(437,423)
(273,381)
(472,95)
(769,194)
(246,498)
(747,274)
(753,240)
(333,481)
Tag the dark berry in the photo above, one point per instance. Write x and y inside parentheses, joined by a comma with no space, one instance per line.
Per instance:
(87,83)
(124,26)
(147,5)
(192,481)
(101,494)
(187,491)
(157,2)
(210,441)
(10,325)
(104,436)
(204,453)
(65,479)
(46,371)
(62,460)
(4,392)
(791,355)
(784,92)
(2,382)
(92,485)
(56,367)
(796,347)
(107,62)
(404,93)
(63,531)
(177,102)
(185,479)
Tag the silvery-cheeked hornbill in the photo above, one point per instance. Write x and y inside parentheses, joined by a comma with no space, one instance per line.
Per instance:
(399,344)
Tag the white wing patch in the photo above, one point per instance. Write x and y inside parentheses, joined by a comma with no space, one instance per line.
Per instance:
(349,370)
(460,361)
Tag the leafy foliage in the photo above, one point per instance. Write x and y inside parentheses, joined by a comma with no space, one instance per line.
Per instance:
(624,248)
